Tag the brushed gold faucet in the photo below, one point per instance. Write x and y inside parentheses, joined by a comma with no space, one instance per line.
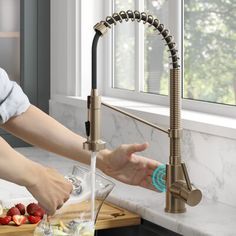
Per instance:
(179,190)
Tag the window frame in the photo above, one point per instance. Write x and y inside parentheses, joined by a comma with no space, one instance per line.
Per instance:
(176,26)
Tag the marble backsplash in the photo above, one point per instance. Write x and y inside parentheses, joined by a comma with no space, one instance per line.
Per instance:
(210,159)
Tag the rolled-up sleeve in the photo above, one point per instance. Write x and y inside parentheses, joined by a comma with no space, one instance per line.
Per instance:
(13,100)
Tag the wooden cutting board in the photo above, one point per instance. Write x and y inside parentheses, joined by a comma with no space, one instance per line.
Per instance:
(110,216)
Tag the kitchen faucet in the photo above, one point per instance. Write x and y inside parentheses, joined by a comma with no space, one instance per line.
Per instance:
(179,190)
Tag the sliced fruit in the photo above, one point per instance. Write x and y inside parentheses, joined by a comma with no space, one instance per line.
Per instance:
(5,220)
(87,233)
(21,208)
(19,219)
(34,219)
(59,232)
(13,211)
(63,227)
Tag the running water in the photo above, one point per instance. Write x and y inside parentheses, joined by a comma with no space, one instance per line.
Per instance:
(93,181)
(84,192)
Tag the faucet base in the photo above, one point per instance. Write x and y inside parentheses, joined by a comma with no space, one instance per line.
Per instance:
(173,204)
(179,189)
(173,210)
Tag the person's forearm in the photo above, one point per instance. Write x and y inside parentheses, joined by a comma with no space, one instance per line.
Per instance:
(39,129)
(16,168)
(37,179)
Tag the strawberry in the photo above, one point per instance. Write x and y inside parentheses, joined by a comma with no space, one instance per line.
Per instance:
(32,207)
(34,219)
(5,220)
(19,219)
(21,208)
(13,211)
(40,212)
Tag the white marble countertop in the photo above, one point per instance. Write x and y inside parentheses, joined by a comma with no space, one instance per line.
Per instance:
(208,218)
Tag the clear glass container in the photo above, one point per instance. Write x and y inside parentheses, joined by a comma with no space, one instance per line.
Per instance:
(75,218)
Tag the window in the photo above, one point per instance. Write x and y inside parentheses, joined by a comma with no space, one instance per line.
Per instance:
(141,63)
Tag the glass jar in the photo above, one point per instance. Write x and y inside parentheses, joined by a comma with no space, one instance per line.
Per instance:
(78,215)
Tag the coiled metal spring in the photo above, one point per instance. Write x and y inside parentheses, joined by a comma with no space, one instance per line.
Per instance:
(143,16)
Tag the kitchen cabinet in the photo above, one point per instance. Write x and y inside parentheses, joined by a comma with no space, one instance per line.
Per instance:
(25,50)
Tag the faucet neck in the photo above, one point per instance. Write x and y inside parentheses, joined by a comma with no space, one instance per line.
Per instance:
(175,131)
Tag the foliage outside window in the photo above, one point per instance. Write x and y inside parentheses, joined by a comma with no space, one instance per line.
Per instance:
(209,51)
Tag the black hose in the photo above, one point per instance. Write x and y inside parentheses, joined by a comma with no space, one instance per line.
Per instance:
(94,59)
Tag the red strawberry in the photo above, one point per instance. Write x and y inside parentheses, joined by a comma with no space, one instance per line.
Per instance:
(40,212)
(19,219)
(5,220)
(32,207)
(34,219)
(13,211)
(21,208)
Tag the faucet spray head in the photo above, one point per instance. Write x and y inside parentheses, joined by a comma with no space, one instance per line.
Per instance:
(92,126)
(101,27)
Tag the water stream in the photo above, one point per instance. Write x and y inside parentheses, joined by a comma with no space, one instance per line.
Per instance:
(93,181)
(83,200)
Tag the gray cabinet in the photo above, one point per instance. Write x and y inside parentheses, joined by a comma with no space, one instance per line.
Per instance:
(25,50)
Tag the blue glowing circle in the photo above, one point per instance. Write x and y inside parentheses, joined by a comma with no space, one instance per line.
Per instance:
(158,178)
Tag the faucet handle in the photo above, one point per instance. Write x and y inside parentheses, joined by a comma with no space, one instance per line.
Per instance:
(180,190)
(189,185)
(185,190)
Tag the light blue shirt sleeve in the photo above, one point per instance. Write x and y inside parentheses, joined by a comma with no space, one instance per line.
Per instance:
(13,100)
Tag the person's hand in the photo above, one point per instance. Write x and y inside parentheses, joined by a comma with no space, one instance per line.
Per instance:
(124,165)
(51,189)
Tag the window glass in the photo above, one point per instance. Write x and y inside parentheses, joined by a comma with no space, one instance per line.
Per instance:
(156,61)
(124,49)
(209,50)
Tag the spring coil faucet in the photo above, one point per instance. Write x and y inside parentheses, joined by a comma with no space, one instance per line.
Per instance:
(179,189)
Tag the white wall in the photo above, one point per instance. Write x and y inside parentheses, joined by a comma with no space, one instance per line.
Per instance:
(70,61)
